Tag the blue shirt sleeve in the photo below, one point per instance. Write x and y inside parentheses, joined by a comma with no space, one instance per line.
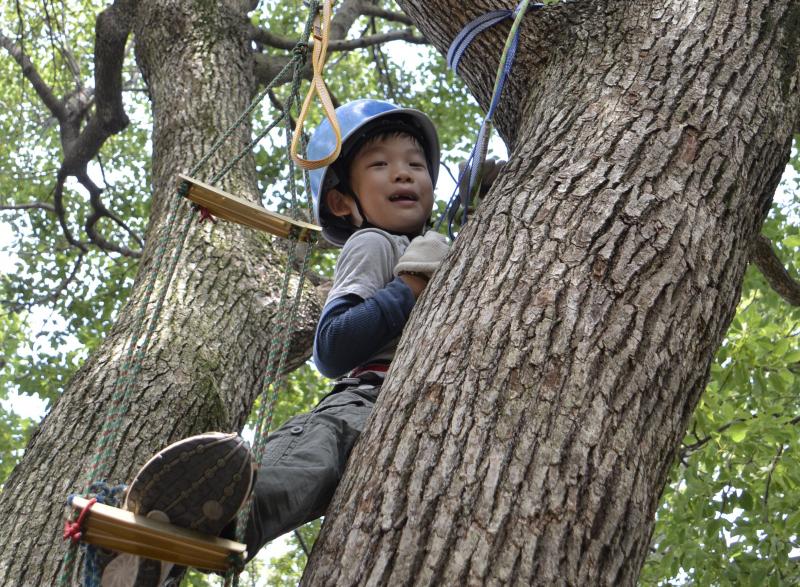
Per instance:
(352,329)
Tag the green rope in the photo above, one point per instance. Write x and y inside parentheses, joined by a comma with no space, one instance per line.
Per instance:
(132,364)
(135,353)
(68,565)
(275,373)
(264,426)
(278,352)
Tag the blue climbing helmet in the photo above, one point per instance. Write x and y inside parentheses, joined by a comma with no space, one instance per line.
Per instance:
(359,120)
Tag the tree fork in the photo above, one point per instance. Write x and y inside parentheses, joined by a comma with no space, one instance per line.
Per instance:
(572,332)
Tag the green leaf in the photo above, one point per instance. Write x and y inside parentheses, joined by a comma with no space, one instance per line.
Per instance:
(737,432)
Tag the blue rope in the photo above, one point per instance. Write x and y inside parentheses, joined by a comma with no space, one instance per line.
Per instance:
(478,154)
(95,558)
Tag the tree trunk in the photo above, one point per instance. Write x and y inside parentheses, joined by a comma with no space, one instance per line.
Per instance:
(210,346)
(545,379)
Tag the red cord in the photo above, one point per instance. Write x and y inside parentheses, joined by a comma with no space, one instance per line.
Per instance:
(74,530)
(205,215)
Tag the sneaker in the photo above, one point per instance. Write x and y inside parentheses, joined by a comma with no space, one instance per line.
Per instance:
(198,483)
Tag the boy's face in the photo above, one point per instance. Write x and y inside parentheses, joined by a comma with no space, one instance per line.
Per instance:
(391,179)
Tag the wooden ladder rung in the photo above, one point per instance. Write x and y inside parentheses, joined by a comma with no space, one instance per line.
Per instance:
(125,531)
(223,205)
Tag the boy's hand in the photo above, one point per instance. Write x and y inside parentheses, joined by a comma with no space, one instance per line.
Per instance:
(423,255)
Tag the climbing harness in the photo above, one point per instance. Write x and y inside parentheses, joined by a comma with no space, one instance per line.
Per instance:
(478,154)
(101,524)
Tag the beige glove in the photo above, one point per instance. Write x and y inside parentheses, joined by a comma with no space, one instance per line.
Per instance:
(424,254)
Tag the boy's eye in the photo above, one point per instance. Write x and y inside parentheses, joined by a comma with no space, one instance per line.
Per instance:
(377,163)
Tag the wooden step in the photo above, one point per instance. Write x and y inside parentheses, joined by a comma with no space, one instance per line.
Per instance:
(223,205)
(124,531)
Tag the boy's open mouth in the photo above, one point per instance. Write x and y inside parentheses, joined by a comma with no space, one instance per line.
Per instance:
(404,197)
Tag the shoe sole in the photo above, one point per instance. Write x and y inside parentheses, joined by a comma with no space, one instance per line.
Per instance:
(197,483)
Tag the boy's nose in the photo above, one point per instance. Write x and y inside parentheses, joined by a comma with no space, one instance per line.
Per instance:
(402,173)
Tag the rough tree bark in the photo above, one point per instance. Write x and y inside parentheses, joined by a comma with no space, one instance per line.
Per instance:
(546,377)
(210,346)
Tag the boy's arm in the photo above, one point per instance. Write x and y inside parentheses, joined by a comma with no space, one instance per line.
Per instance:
(415,282)
(352,329)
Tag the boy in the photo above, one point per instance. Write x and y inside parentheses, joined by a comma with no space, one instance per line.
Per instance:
(374,201)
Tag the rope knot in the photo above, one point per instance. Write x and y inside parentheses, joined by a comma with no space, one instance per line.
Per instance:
(183,189)
(236,562)
(301,49)
(107,494)
(74,530)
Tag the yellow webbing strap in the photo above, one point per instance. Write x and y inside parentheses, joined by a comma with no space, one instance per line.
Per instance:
(319,55)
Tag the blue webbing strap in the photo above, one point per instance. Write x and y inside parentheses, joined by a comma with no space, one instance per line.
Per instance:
(454,55)
(469,32)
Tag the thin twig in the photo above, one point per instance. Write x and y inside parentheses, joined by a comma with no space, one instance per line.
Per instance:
(375,11)
(302,542)
(765,499)
(29,206)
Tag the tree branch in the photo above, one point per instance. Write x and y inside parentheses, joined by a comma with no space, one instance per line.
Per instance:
(29,206)
(381,65)
(406,35)
(346,14)
(61,213)
(44,91)
(111,34)
(54,295)
(765,499)
(302,542)
(372,10)
(688,449)
(99,211)
(266,67)
(266,37)
(82,139)
(66,54)
(17,306)
(763,256)
(278,105)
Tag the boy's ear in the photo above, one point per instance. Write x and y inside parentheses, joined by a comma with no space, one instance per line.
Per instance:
(339,204)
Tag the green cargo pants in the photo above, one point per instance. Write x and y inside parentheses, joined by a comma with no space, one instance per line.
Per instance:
(303,462)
